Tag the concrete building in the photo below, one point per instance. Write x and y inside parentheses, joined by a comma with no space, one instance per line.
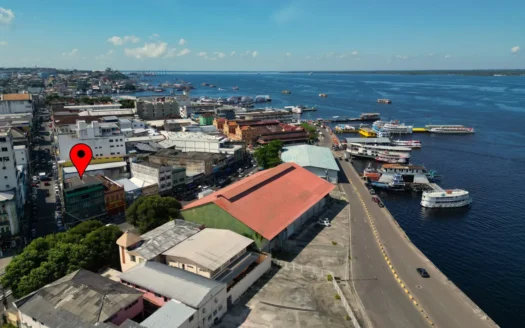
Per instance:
(221,255)
(131,191)
(268,206)
(176,125)
(157,108)
(153,173)
(191,142)
(113,170)
(161,283)
(21,156)
(105,140)
(178,176)
(84,199)
(172,314)
(16,103)
(282,116)
(114,196)
(134,249)
(194,162)
(147,188)
(206,119)
(9,224)
(81,299)
(318,160)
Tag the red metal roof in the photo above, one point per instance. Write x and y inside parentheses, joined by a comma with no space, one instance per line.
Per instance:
(269,201)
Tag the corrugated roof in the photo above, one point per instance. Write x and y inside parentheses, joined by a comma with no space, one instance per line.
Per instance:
(16,96)
(82,296)
(269,201)
(307,155)
(183,286)
(165,237)
(171,314)
(210,248)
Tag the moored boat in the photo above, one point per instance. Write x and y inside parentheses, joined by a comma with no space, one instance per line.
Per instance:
(452,129)
(446,198)
(407,143)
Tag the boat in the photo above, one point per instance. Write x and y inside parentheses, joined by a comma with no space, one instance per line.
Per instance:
(158,90)
(392,127)
(310,73)
(262,98)
(344,129)
(396,184)
(204,84)
(371,173)
(407,143)
(212,86)
(392,157)
(235,88)
(384,101)
(323,95)
(449,198)
(370,117)
(221,89)
(452,129)
(286,92)
(374,151)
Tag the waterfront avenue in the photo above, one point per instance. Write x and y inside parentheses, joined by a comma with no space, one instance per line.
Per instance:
(435,300)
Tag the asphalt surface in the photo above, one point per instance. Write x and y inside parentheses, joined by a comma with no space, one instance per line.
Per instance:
(385,301)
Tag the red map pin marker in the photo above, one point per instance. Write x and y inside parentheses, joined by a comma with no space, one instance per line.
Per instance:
(81,156)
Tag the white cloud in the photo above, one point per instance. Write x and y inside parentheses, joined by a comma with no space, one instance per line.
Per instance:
(171,53)
(149,50)
(210,58)
(355,53)
(288,54)
(184,52)
(330,54)
(447,56)
(154,36)
(106,56)
(6,16)
(255,54)
(232,53)
(3,43)
(515,49)
(71,53)
(286,14)
(202,54)
(401,57)
(219,54)
(118,41)
(182,42)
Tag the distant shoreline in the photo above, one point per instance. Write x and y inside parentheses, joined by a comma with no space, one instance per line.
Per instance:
(495,72)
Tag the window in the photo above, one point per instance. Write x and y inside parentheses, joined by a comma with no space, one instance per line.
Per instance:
(4,140)
(111,146)
(191,318)
(4,148)
(132,258)
(112,153)
(157,295)
(165,299)
(209,317)
(203,310)
(110,140)
(6,159)
(215,313)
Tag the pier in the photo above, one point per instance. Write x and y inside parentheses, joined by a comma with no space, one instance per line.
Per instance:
(394,294)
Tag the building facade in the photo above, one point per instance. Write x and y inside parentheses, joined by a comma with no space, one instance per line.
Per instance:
(318,160)
(84,199)
(105,140)
(114,196)
(153,173)
(16,103)
(157,108)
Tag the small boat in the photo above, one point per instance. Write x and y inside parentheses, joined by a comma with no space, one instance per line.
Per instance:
(397,184)
(235,88)
(323,95)
(371,173)
(446,198)
(452,129)
(407,143)
(310,73)
(384,101)
(221,89)
(204,84)
(212,86)
(286,92)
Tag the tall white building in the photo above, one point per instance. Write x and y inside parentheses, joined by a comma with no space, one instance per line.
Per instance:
(105,140)
(12,186)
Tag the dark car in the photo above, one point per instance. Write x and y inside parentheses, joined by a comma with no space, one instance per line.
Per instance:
(423,273)
(375,199)
(381,204)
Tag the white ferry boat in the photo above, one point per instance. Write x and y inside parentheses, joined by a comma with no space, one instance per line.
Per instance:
(374,151)
(392,158)
(452,129)
(407,143)
(446,198)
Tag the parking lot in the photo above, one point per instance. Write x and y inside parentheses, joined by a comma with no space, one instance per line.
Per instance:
(285,298)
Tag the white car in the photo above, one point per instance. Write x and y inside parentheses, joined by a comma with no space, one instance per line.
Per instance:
(324,222)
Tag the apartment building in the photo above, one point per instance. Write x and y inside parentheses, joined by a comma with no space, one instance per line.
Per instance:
(84,199)
(157,108)
(153,173)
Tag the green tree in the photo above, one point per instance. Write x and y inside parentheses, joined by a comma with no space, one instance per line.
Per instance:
(89,245)
(129,87)
(127,103)
(87,101)
(149,212)
(311,130)
(269,155)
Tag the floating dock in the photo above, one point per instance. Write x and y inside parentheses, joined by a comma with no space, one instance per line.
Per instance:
(367,132)
(419,130)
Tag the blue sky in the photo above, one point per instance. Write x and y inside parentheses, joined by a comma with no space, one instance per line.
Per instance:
(263,35)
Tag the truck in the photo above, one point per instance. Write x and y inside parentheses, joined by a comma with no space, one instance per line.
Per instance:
(42,176)
(205,193)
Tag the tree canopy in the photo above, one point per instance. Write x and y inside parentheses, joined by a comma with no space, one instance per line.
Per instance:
(149,212)
(268,155)
(90,245)
(127,103)
(311,130)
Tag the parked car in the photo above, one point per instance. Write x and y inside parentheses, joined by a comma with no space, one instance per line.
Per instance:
(375,199)
(423,273)
(47,183)
(381,205)
(324,222)
(372,191)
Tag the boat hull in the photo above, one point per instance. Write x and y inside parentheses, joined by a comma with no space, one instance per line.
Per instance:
(430,204)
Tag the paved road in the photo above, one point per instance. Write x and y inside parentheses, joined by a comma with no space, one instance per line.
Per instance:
(442,301)
(385,302)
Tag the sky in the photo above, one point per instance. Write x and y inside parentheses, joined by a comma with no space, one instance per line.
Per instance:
(251,35)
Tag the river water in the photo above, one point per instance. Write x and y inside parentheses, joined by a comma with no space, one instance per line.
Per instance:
(481,248)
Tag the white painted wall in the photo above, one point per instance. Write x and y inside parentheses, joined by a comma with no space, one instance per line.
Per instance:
(101,146)
(332,175)
(250,279)
(7,163)
(208,309)
(15,106)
